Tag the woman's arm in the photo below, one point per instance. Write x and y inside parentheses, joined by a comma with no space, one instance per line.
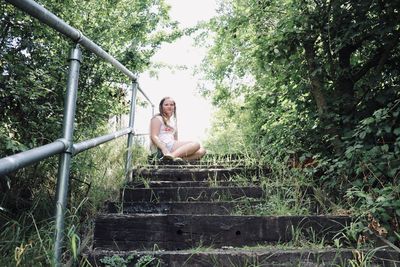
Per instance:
(176,135)
(155,125)
(176,131)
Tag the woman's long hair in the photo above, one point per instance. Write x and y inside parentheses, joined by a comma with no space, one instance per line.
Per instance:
(160,109)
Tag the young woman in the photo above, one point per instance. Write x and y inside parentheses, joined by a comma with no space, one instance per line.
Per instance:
(164,135)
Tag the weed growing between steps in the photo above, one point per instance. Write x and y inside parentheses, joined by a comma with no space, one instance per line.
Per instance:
(285,194)
(139,261)
(287,191)
(354,257)
(295,190)
(260,255)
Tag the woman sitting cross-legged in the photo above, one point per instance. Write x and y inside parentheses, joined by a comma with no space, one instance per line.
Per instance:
(164,135)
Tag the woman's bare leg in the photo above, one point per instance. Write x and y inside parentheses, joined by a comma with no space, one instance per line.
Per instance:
(187,150)
(196,155)
(184,148)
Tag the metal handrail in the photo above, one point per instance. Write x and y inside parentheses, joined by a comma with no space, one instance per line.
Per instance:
(88,144)
(43,15)
(23,159)
(152,105)
(65,146)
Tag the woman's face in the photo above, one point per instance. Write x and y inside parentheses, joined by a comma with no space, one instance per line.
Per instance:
(168,107)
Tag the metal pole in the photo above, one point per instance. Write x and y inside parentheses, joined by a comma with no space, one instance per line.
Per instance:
(23,159)
(131,124)
(85,145)
(65,158)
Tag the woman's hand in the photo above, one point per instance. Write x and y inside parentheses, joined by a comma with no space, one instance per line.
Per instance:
(155,125)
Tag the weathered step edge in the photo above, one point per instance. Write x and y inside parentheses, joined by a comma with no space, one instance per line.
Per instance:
(216,208)
(190,194)
(183,174)
(254,257)
(171,232)
(197,166)
(156,184)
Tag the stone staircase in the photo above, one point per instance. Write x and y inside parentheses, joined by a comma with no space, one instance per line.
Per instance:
(188,215)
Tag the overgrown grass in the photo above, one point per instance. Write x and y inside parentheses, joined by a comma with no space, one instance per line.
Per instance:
(288,190)
(96,176)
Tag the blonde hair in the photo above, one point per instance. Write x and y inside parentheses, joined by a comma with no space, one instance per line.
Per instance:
(160,109)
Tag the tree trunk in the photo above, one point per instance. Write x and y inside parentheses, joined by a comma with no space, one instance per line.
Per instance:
(344,84)
(316,82)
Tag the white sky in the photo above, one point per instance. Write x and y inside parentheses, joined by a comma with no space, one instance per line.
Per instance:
(194,112)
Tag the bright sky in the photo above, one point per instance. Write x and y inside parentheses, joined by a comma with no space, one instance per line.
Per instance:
(193,111)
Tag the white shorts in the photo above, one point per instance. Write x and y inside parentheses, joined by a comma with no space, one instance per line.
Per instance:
(170,145)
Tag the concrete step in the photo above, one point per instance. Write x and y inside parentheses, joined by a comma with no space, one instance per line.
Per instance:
(174,232)
(190,194)
(157,184)
(190,174)
(215,208)
(196,166)
(219,161)
(260,257)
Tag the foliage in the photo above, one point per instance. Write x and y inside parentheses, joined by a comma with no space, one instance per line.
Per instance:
(36,60)
(314,83)
(32,231)
(147,260)
(33,77)
(226,136)
(116,261)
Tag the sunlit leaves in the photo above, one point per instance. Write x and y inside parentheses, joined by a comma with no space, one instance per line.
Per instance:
(33,78)
(325,84)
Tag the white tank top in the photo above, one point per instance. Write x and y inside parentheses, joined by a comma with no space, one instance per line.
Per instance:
(167,132)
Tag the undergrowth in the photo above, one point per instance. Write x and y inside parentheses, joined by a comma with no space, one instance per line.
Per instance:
(26,237)
(292,187)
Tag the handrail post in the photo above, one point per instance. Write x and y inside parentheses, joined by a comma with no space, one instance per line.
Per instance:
(65,157)
(131,124)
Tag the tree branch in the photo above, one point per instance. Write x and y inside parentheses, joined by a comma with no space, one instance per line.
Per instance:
(326,41)
(3,38)
(379,59)
(316,84)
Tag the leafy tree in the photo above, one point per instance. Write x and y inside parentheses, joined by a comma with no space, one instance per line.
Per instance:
(33,71)
(33,76)
(318,79)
